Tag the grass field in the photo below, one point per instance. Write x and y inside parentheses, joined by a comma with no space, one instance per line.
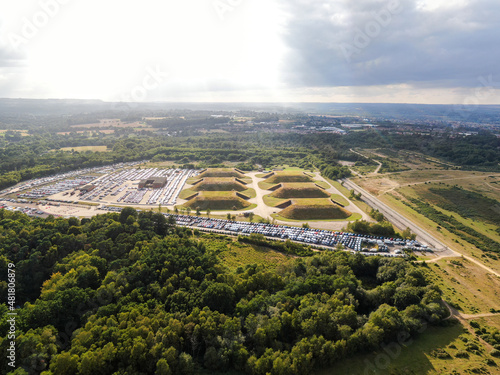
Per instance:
(221,172)
(340,199)
(362,205)
(466,203)
(323,184)
(490,321)
(299,190)
(469,208)
(484,183)
(288,176)
(219,184)
(239,255)
(218,201)
(23,133)
(419,356)
(272,201)
(114,123)
(86,148)
(314,209)
(265,185)
(465,285)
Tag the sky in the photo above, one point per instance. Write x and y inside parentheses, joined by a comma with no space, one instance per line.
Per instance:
(366,51)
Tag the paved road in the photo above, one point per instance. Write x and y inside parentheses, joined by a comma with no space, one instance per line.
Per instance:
(400,221)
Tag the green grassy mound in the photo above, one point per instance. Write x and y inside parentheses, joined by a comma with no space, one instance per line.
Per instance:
(299,190)
(318,209)
(221,173)
(288,176)
(220,184)
(224,201)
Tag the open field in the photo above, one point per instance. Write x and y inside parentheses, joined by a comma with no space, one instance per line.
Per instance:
(470,208)
(479,182)
(461,208)
(405,159)
(24,133)
(465,285)
(422,356)
(113,123)
(236,255)
(85,148)
(490,321)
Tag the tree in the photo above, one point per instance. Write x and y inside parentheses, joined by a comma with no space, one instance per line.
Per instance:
(228,216)
(219,296)
(162,367)
(198,212)
(408,235)
(126,212)
(208,212)
(65,363)
(251,216)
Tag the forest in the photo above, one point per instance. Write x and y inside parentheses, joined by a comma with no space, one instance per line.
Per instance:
(37,155)
(131,293)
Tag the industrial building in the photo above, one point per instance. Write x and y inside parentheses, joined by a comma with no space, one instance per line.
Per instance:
(153,182)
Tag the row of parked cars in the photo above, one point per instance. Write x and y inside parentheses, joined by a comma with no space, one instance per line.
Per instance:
(328,238)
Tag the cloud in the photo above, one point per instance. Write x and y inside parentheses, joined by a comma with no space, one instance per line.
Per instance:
(374,42)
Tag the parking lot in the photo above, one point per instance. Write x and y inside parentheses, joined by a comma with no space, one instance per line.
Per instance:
(368,245)
(116,184)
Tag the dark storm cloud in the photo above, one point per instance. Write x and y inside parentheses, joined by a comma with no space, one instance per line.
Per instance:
(373,42)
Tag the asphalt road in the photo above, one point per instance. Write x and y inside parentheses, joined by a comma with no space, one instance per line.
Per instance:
(400,221)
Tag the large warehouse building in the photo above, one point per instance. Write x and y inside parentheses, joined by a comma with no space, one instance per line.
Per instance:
(153,182)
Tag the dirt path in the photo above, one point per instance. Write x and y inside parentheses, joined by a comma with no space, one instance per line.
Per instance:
(376,161)
(441,180)
(463,319)
(262,209)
